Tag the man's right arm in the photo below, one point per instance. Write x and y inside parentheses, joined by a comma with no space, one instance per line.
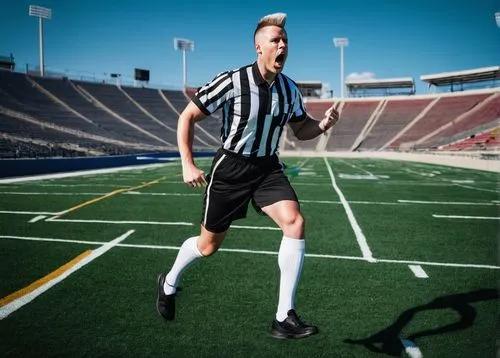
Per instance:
(192,175)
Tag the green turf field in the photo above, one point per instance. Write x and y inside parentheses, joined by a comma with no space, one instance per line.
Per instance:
(395,250)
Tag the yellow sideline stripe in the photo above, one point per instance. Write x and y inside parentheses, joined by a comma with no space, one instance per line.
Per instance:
(114,192)
(28,289)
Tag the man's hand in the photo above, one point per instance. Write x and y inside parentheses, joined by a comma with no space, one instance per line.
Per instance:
(193,176)
(331,117)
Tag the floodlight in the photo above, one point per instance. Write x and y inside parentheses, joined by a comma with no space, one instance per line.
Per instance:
(41,13)
(183,45)
(341,42)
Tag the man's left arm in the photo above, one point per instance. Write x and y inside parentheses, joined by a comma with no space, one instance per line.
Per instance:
(309,128)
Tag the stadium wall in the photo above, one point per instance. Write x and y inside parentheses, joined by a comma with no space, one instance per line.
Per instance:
(23,167)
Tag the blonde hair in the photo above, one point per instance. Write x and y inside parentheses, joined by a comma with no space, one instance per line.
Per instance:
(277,19)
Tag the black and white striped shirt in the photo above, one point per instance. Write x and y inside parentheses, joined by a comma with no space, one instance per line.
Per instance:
(254,112)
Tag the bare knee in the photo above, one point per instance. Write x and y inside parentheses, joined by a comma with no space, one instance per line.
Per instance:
(208,248)
(293,225)
(209,242)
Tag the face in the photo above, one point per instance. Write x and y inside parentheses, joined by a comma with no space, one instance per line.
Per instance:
(271,44)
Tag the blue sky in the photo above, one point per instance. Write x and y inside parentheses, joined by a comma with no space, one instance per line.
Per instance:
(388,38)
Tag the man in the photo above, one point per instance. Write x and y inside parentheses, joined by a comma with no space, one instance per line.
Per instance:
(257,101)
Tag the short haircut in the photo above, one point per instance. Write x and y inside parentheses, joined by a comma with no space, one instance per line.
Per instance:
(277,19)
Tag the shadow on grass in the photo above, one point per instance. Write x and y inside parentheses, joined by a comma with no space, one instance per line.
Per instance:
(388,341)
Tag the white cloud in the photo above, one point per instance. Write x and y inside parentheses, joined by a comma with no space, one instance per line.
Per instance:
(363,76)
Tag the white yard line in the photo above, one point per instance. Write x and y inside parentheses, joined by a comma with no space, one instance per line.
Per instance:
(446,202)
(27,212)
(410,183)
(71,185)
(255,227)
(37,218)
(352,202)
(139,222)
(51,239)
(95,194)
(48,193)
(360,237)
(430,175)
(21,301)
(261,252)
(443,264)
(466,217)
(121,222)
(418,271)
(190,195)
(162,194)
(310,184)
(399,201)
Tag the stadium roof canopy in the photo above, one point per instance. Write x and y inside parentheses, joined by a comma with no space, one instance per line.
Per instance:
(310,83)
(463,77)
(404,82)
(7,62)
(365,87)
(310,88)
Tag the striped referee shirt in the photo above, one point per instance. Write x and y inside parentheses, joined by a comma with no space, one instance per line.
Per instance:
(254,112)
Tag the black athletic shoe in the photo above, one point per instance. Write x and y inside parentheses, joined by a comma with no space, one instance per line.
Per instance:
(165,304)
(292,327)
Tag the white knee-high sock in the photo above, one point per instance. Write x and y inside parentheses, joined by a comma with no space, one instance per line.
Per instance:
(187,254)
(290,258)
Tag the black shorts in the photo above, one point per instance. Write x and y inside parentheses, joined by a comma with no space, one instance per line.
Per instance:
(234,180)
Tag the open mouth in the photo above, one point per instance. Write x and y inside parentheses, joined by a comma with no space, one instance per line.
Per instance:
(280,59)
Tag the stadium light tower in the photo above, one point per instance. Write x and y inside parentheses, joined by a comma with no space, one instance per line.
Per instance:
(341,42)
(183,45)
(41,13)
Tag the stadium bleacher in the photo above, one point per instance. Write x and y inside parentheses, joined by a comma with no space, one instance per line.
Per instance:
(111,119)
(93,119)
(177,98)
(150,101)
(396,115)
(487,112)
(11,148)
(54,135)
(25,97)
(125,110)
(488,139)
(354,116)
(316,109)
(208,130)
(445,110)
